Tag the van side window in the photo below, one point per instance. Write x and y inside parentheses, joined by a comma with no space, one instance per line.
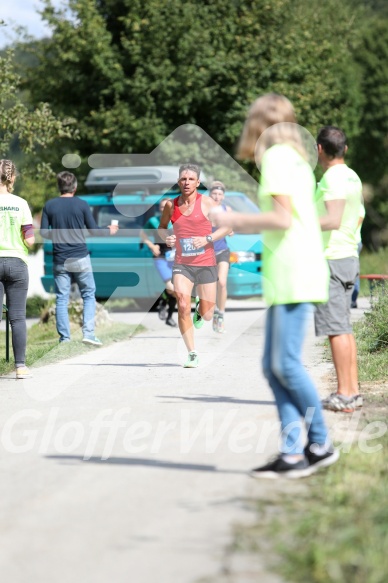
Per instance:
(129,216)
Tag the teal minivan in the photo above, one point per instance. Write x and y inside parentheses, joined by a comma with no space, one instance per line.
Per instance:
(123,266)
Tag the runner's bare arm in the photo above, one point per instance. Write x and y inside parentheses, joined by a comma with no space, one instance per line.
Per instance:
(223,230)
(279,218)
(163,225)
(230,210)
(153,247)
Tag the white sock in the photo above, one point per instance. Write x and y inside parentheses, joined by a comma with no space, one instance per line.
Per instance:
(321,449)
(293,459)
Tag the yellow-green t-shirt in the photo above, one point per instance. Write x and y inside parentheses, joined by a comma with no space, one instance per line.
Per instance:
(341,183)
(294,267)
(14,213)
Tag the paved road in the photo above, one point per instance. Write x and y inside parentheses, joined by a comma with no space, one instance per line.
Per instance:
(120,465)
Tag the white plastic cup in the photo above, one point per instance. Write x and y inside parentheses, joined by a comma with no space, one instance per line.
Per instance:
(114,222)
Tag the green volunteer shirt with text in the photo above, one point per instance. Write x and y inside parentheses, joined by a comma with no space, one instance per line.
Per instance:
(14,213)
(294,267)
(340,183)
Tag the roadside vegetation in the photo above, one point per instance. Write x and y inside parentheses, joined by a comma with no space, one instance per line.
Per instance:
(372,331)
(337,531)
(42,340)
(372,341)
(372,263)
(333,527)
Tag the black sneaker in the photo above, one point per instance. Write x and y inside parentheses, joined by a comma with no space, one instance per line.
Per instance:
(279,467)
(198,321)
(171,322)
(320,460)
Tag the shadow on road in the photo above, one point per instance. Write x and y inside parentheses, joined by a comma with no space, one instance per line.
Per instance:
(212,399)
(127,461)
(136,364)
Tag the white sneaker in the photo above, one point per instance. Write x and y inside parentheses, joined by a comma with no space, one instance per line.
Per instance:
(23,373)
(93,340)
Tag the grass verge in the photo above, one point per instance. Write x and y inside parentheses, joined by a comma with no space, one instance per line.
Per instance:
(329,528)
(43,347)
(371,335)
(372,263)
(333,527)
(337,531)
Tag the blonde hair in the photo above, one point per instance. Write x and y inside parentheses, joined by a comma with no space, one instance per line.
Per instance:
(271,118)
(7,172)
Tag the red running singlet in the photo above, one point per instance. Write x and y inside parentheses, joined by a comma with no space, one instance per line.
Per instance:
(187,227)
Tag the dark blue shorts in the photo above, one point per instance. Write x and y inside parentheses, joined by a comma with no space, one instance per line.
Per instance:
(223,255)
(164,268)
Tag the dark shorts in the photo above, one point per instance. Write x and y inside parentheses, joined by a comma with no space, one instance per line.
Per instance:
(197,275)
(333,318)
(223,256)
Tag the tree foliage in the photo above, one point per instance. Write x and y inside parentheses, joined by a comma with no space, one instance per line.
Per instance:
(33,128)
(131,72)
(372,56)
(371,146)
(28,133)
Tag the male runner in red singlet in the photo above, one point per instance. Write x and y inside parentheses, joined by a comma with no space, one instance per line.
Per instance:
(195,261)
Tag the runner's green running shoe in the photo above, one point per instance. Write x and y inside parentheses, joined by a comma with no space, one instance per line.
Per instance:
(192,360)
(198,321)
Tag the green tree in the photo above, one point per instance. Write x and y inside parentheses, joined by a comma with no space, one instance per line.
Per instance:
(26,133)
(371,146)
(132,71)
(377,7)
(372,56)
(33,128)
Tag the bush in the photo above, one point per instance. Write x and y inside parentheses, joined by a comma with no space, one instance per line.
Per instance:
(374,329)
(35,306)
(75,310)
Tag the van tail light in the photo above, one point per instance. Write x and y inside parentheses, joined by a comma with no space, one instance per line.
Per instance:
(242,256)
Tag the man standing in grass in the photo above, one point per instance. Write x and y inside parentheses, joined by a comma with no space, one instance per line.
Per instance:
(195,261)
(64,221)
(338,197)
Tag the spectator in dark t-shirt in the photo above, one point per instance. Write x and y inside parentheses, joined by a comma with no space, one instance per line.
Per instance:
(66,221)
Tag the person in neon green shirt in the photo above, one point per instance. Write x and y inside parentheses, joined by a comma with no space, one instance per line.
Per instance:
(295,275)
(338,199)
(16,235)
